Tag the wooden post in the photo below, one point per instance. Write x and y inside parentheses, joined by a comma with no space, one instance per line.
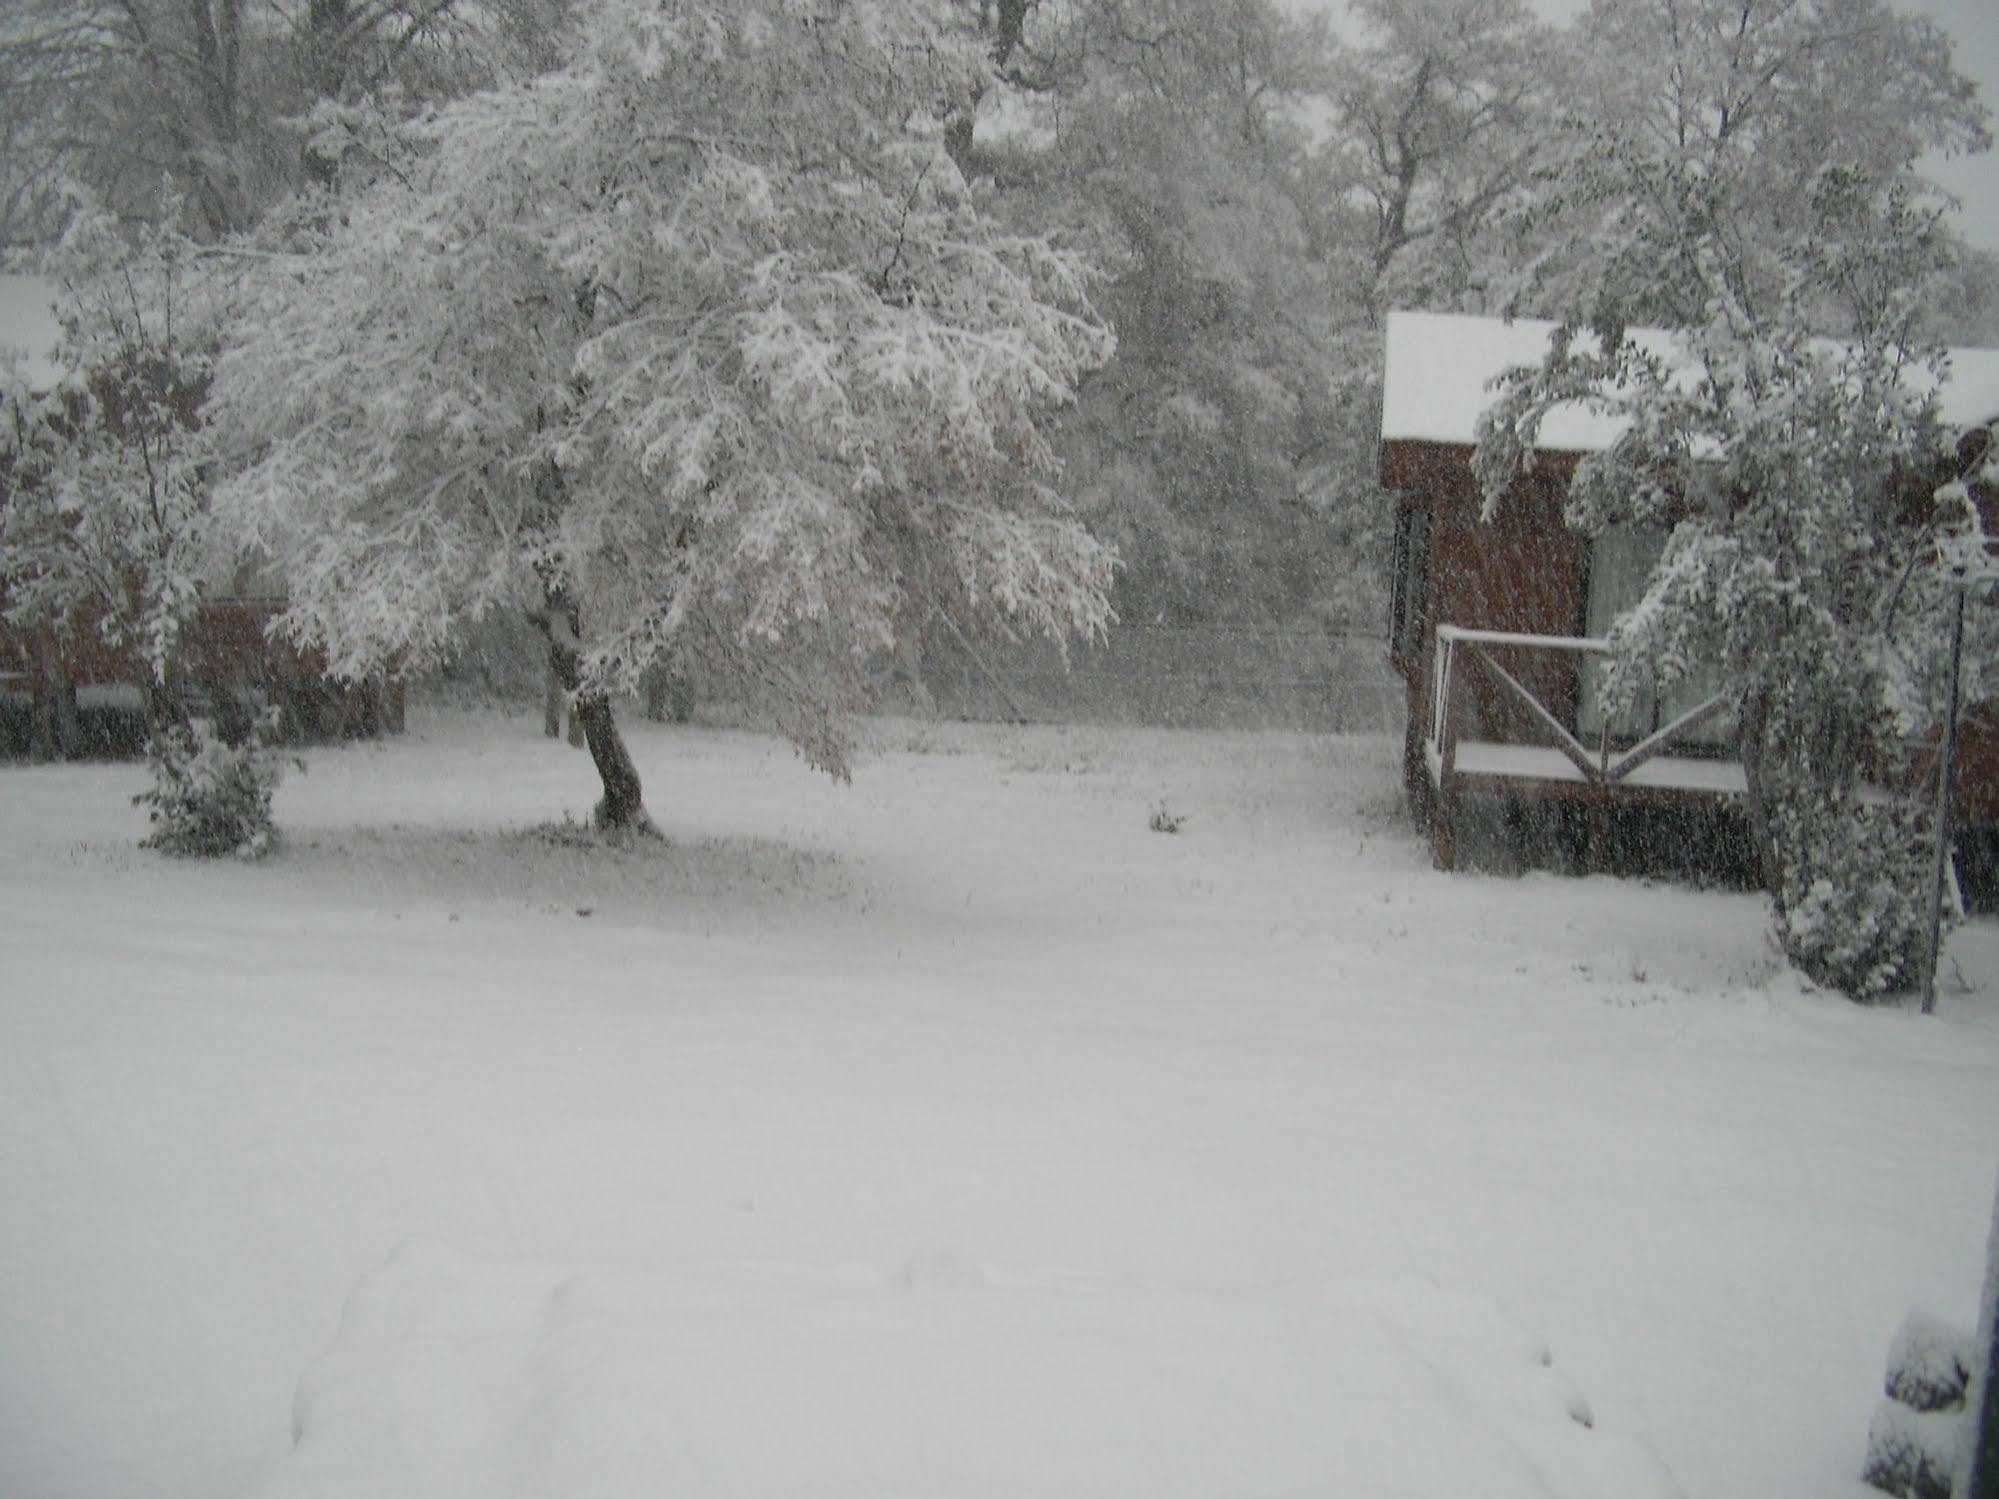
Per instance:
(58,728)
(1443,833)
(1982,1480)
(1599,831)
(551,704)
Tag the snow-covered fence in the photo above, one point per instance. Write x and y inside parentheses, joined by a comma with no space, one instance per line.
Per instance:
(1205,676)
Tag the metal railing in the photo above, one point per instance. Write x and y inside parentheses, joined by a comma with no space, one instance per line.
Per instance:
(1459,649)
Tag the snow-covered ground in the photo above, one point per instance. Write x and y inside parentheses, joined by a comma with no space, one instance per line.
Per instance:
(927,1117)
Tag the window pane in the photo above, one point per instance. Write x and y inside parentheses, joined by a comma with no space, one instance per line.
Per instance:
(1411,582)
(1621,564)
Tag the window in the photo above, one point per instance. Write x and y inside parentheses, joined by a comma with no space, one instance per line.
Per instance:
(1620,565)
(1409,601)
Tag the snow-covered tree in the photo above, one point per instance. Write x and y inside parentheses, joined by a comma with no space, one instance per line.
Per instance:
(1442,110)
(1265,192)
(699,348)
(193,102)
(1759,202)
(1436,115)
(105,522)
(1701,133)
(1168,130)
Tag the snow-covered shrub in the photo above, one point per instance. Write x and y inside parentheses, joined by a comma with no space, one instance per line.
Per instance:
(1851,898)
(1916,1445)
(209,796)
(1913,1454)
(1929,1364)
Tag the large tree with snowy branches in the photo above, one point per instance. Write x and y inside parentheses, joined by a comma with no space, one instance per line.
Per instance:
(700,348)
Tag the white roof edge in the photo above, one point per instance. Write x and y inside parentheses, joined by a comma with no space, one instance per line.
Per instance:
(1440,368)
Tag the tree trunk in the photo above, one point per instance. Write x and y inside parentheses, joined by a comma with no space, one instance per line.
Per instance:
(58,733)
(551,703)
(623,805)
(165,701)
(1753,741)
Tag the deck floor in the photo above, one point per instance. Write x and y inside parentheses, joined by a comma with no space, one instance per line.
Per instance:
(1532,762)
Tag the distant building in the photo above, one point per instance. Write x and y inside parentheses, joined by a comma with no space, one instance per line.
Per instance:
(70,691)
(1497,626)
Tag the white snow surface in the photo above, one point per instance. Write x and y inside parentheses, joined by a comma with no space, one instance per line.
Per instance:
(456,1379)
(946,1131)
(1441,368)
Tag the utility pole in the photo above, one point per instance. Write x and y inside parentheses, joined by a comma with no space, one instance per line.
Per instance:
(1946,767)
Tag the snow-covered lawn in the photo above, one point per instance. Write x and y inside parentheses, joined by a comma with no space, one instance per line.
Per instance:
(818,1128)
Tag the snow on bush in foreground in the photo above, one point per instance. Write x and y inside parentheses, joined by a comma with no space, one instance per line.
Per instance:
(453,1376)
(210,797)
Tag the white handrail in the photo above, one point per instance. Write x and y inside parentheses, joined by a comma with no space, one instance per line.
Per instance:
(1603,768)
(1441,681)
(1583,644)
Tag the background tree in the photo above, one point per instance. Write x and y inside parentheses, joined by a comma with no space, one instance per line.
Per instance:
(1264,192)
(105,521)
(1168,133)
(1965,311)
(1752,202)
(197,102)
(1703,131)
(700,348)
(1432,124)
(1441,113)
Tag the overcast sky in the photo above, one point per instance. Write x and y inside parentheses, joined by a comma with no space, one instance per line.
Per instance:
(1974,26)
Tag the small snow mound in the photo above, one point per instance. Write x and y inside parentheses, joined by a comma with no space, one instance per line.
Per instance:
(1915,1454)
(1929,1364)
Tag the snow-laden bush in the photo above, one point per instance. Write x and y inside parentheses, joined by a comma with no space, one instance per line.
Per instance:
(1916,1444)
(210,796)
(1851,904)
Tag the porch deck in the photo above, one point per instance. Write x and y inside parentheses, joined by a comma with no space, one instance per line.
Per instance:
(1560,766)
(1484,760)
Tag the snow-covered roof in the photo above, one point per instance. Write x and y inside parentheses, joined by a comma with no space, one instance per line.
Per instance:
(1441,367)
(1971,394)
(28,325)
